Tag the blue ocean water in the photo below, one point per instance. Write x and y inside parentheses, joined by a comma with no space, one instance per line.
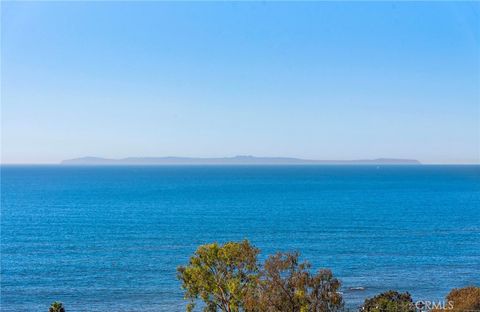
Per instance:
(110,238)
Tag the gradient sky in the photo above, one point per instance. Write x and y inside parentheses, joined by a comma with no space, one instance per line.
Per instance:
(310,80)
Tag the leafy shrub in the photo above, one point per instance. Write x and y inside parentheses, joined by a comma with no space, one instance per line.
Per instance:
(390,301)
(56,307)
(464,299)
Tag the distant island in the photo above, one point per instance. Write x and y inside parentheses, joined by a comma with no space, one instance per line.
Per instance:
(236,160)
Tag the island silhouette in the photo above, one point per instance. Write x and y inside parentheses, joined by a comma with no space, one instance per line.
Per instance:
(236,160)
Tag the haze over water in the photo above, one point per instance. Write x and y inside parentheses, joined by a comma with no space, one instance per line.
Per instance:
(312,79)
(110,238)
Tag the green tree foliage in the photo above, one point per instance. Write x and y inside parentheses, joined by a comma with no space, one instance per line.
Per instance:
(285,284)
(56,307)
(220,275)
(464,299)
(390,301)
(228,278)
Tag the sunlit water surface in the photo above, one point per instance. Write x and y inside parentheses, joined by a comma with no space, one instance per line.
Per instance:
(110,238)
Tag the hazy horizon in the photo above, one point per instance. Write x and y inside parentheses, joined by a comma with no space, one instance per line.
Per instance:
(310,80)
(228,157)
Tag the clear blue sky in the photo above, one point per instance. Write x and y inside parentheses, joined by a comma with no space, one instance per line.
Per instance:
(310,80)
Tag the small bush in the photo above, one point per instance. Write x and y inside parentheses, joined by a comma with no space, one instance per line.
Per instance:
(56,307)
(390,301)
(463,299)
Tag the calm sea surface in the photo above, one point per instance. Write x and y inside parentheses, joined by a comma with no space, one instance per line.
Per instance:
(110,238)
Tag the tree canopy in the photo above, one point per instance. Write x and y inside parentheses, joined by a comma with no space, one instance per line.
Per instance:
(286,284)
(228,278)
(220,275)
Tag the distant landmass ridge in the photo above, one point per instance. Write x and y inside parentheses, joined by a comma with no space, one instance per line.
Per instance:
(236,160)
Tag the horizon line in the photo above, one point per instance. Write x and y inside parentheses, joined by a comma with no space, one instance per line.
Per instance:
(59,164)
(229,160)
(237,160)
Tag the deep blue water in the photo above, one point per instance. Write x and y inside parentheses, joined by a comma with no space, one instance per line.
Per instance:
(110,238)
